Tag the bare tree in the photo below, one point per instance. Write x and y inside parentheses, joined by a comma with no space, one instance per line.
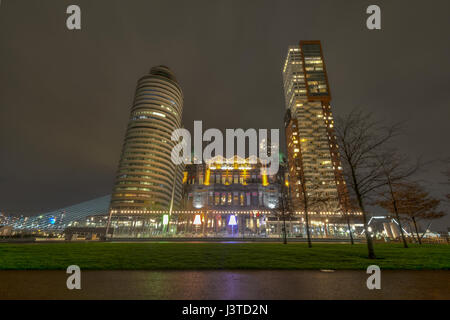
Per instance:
(283,208)
(312,199)
(360,139)
(396,169)
(347,219)
(413,202)
(347,208)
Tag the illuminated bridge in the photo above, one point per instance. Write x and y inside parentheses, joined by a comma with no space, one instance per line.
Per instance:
(58,220)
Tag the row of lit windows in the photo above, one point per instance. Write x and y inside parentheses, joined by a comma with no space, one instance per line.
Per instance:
(131,147)
(146,135)
(231,179)
(163,124)
(124,176)
(234,198)
(133,195)
(143,189)
(170,109)
(155,203)
(154,115)
(154,161)
(162,87)
(161,129)
(148,140)
(140,94)
(154,164)
(148,183)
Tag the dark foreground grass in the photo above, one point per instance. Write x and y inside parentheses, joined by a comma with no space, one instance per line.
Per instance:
(195,256)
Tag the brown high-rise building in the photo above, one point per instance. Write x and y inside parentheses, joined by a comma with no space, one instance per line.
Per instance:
(313,153)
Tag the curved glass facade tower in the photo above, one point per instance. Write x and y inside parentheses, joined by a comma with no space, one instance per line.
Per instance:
(147,179)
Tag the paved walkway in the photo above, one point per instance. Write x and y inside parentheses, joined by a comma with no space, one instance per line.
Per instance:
(303,284)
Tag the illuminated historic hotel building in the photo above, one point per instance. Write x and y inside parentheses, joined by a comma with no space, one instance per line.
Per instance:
(313,153)
(222,188)
(234,184)
(223,197)
(146,178)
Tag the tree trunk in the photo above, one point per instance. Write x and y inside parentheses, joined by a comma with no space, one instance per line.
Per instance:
(412,231)
(345,207)
(417,230)
(350,230)
(305,206)
(394,203)
(371,251)
(405,244)
(307,227)
(284,229)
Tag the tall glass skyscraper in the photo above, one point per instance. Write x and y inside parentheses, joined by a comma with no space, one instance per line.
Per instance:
(146,178)
(313,153)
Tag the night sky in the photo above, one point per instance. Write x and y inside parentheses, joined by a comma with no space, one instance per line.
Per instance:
(65,96)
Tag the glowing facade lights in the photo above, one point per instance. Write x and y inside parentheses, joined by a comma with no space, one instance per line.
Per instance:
(207,177)
(265,182)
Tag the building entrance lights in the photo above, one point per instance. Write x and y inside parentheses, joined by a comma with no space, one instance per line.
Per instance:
(232,222)
(197,220)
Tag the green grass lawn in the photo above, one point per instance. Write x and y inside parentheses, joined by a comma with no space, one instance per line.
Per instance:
(196,256)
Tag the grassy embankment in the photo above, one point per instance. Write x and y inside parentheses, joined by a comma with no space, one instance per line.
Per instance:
(210,256)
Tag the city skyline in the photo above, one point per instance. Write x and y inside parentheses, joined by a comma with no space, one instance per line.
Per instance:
(87,149)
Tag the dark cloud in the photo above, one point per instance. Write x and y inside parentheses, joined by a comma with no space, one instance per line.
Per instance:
(65,95)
